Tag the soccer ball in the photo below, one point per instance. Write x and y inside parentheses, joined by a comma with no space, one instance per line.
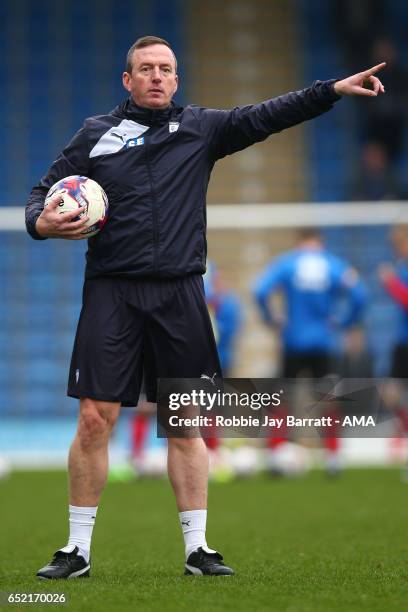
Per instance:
(78,191)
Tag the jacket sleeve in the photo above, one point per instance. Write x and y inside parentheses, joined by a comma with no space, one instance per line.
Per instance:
(230,131)
(74,159)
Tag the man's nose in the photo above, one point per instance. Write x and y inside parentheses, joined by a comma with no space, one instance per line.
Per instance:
(156,76)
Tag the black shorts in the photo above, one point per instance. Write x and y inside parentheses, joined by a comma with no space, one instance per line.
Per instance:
(149,378)
(310,364)
(127,324)
(399,367)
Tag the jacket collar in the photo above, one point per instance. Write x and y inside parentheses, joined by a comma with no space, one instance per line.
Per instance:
(129,110)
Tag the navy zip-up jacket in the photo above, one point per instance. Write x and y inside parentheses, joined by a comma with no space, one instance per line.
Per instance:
(154,166)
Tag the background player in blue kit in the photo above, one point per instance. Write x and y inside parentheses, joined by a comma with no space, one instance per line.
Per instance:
(395,282)
(312,282)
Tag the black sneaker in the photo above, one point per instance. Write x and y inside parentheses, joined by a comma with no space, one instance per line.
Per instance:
(206,562)
(65,565)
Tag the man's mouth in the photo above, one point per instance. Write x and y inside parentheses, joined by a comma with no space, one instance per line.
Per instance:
(156,91)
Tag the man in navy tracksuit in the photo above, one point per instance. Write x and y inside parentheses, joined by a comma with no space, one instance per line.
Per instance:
(143,279)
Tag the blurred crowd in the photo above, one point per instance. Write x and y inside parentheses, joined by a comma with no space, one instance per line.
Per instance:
(366,40)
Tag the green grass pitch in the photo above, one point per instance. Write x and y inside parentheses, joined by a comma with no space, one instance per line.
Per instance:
(296,545)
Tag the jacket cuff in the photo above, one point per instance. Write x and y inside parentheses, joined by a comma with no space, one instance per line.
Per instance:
(30,225)
(331,93)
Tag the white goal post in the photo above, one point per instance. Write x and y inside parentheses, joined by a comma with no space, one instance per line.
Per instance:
(263,216)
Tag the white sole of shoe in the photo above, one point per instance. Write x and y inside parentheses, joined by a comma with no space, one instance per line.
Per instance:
(84,572)
(193,570)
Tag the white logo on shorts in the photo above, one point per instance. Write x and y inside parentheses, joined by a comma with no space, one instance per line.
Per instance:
(210,378)
(76,376)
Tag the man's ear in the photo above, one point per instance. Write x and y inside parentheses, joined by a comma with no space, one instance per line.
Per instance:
(175,89)
(126,81)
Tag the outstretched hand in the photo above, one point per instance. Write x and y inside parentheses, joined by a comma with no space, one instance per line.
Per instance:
(361,84)
(54,224)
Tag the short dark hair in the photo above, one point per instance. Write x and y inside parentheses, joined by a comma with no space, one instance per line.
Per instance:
(146,41)
(308,233)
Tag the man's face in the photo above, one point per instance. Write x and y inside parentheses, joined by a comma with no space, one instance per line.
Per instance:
(153,80)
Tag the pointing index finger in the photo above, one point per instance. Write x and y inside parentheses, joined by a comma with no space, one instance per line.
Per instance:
(374,69)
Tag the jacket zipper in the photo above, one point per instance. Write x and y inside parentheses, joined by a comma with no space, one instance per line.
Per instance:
(154,208)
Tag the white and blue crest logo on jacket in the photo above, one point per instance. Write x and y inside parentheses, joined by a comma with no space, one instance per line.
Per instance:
(173,126)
